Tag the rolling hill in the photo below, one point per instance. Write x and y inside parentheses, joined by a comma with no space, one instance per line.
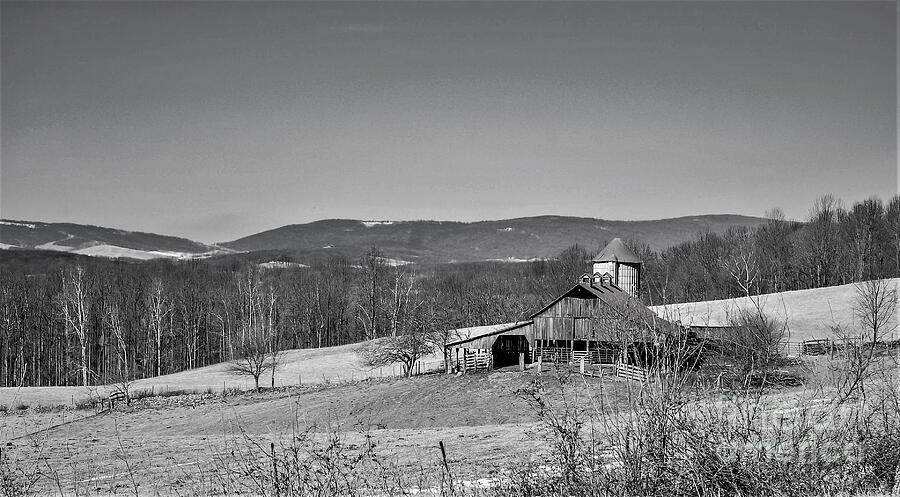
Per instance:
(808,314)
(99,241)
(508,240)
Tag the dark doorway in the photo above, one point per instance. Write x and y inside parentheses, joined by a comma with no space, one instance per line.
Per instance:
(507,348)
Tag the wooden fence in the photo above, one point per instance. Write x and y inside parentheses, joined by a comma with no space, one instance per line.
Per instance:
(565,355)
(477,361)
(631,372)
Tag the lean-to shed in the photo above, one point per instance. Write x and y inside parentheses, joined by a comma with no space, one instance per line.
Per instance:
(493,346)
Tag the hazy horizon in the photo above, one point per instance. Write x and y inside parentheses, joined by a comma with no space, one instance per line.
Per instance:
(213,120)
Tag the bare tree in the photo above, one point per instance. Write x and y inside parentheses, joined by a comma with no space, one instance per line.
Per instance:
(874,306)
(114,323)
(418,336)
(258,348)
(741,260)
(401,290)
(254,357)
(160,305)
(892,218)
(754,343)
(820,239)
(374,266)
(864,231)
(774,249)
(76,308)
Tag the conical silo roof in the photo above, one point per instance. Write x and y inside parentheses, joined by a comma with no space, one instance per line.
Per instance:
(616,250)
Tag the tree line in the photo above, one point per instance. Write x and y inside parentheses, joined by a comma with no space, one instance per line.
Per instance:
(833,245)
(68,320)
(80,321)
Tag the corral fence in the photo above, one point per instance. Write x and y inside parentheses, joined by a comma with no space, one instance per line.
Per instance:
(832,347)
(631,372)
(564,355)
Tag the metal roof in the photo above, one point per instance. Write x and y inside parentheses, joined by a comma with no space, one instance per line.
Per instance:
(617,251)
(469,336)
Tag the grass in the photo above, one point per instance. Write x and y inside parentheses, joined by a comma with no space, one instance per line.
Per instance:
(488,430)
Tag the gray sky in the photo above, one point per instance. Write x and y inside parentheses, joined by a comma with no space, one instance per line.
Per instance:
(216,120)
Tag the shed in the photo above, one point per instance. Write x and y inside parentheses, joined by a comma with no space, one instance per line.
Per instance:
(493,346)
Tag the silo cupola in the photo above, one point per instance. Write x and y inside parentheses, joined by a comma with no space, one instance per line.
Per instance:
(622,264)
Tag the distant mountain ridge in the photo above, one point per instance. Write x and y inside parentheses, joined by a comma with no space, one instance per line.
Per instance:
(508,239)
(516,239)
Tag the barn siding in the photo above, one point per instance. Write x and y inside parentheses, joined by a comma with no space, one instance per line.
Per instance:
(554,328)
(575,318)
(576,308)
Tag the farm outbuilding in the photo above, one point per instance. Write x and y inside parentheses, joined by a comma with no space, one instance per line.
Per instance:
(490,347)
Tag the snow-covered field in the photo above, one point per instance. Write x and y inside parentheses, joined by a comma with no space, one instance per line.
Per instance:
(809,314)
(299,366)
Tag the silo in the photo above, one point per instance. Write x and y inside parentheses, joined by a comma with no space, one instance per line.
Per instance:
(622,264)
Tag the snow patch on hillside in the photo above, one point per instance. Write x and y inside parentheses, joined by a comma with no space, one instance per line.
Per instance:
(54,246)
(369,224)
(282,265)
(517,259)
(395,262)
(5,246)
(113,251)
(23,225)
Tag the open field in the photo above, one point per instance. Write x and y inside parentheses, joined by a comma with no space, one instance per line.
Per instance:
(168,444)
(809,314)
(306,366)
(479,418)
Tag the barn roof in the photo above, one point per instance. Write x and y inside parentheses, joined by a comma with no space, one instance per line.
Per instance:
(617,251)
(609,293)
(482,337)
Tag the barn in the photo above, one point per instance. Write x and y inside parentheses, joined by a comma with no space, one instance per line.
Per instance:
(597,321)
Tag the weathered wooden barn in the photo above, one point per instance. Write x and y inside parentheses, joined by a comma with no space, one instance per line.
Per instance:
(596,320)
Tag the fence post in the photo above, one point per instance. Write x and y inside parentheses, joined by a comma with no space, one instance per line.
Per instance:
(522,362)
